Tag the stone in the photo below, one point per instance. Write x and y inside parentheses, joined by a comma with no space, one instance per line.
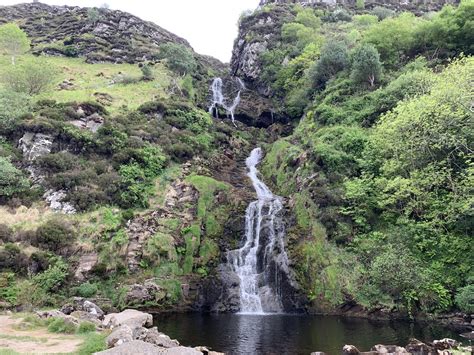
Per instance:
(81,304)
(318,353)
(139,294)
(86,316)
(160,339)
(388,349)
(132,348)
(445,344)
(350,350)
(132,318)
(67,308)
(57,203)
(181,350)
(418,347)
(86,264)
(35,145)
(119,336)
(50,314)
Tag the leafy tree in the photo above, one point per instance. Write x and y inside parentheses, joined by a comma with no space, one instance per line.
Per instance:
(334,58)
(93,15)
(179,58)
(308,18)
(31,77)
(298,34)
(366,66)
(382,12)
(13,40)
(12,180)
(465,299)
(147,72)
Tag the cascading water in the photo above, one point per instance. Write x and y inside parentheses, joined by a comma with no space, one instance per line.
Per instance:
(218,98)
(262,260)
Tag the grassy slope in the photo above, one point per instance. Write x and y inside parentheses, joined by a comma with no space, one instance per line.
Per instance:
(91,78)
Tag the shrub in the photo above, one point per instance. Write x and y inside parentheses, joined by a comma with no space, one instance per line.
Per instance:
(179,58)
(12,106)
(6,233)
(61,325)
(87,290)
(12,181)
(334,58)
(147,72)
(53,278)
(93,344)
(11,258)
(55,234)
(86,327)
(31,77)
(465,299)
(382,12)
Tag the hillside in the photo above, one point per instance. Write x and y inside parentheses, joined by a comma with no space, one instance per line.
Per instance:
(118,185)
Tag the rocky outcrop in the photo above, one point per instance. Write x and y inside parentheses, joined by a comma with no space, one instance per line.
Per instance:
(98,35)
(139,294)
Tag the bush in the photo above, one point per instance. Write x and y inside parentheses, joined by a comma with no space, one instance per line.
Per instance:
(147,72)
(366,66)
(55,234)
(93,344)
(61,325)
(465,299)
(382,12)
(12,181)
(179,58)
(53,278)
(11,258)
(87,290)
(334,58)
(86,327)
(12,106)
(31,77)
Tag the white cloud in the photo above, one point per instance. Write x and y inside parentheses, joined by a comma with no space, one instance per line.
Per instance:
(209,25)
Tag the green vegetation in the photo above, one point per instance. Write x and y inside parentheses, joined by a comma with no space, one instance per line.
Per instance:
(379,166)
(13,41)
(179,58)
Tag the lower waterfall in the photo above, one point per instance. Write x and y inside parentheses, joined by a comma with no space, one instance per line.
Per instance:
(262,260)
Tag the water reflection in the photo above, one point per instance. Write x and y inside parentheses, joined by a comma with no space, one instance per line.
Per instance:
(289,334)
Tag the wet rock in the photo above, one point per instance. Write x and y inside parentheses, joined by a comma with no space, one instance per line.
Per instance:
(181,350)
(132,348)
(206,351)
(350,350)
(388,349)
(119,336)
(418,347)
(132,318)
(445,344)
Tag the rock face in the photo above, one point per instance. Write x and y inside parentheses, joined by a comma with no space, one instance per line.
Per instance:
(98,35)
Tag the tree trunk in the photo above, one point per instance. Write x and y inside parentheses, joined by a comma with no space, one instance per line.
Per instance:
(13,60)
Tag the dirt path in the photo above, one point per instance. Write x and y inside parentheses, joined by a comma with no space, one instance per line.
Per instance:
(38,341)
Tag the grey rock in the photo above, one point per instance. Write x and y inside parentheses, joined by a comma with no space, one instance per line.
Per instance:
(389,349)
(57,203)
(160,339)
(132,348)
(119,336)
(86,264)
(35,145)
(445,344)
(132,318)
(350,350)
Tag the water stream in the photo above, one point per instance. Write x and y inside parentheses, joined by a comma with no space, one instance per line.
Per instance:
(262,259)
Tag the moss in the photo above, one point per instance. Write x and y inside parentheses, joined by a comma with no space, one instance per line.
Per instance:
(160,246)
(208,251)
(207,188)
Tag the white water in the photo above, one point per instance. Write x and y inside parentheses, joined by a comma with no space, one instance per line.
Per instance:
(263,230)
(218,98)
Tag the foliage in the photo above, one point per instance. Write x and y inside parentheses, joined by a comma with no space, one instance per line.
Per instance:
(55,234)
(12,106)
(85,327)
(13,40)
(147,72)
(465,299)
(334,58)
(30,76)
(12,181)
(61,325)
(87,289)
(366,66)
(179,58)
(93,343)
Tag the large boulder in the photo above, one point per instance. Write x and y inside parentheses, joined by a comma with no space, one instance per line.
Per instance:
(82,305)
(389,349)
(133,318)
(152,336)
(418,347)
(140,294)
(119,336)
(133,347)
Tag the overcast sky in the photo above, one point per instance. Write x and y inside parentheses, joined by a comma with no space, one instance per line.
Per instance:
(209,25)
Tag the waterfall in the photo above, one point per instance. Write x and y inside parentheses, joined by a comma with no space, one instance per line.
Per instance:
(218,98)
(262,260)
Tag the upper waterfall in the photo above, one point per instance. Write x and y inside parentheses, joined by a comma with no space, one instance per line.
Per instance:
(218,98)
(261,262)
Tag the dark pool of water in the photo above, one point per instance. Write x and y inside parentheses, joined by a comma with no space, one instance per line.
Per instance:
(290,334)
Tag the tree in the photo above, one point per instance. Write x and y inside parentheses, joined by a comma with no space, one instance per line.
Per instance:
(12,180)
(366,66)
(179,58)
(13,40)
(334,58)
(30,77)
(12,106)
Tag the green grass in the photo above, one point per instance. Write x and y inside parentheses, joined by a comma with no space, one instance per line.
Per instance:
(91,78)
(59,325)
(4,351)
(93,342)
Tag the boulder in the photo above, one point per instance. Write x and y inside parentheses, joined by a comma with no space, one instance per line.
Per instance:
(417,347)
(445,344)
(350,350)
(86,316)
(181,350)
(50,314)
(139,294)
(81,304)
(86,264)
(160,339)
(132,318)
(388,349)
(119,336)
(132,348)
